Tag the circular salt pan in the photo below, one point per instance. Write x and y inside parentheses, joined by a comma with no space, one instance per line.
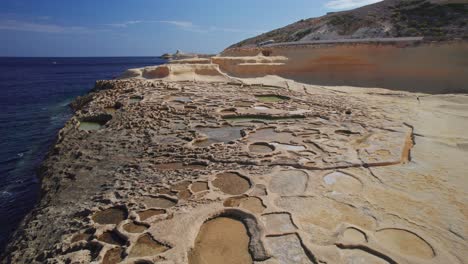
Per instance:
(134,228)
(354,235)
(404,242)
(261,148)
(159,202)
(271,98)
(90,126)
(252,204)
(110,216)
(231,183)
(150,213)
(342,183)
(287,147)
(221,240)
(289,182)
(147,246)
(199,187)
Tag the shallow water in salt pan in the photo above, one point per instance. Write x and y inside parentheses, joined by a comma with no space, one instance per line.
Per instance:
(218,135)
(90,126)
(112,238)
(113,256)
(147,246)
(231,183)
(110,216)
(287,147)
(252,204)
(134,228)
(182,99)
(221,240)
(261,148)
(199,187)
(159,202)
(150,213)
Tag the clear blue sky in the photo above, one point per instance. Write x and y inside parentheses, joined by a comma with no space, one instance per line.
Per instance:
(145,27)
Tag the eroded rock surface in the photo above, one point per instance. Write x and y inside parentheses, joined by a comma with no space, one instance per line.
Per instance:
(229,172)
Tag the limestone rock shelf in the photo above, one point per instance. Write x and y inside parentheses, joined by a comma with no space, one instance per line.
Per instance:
(230,172)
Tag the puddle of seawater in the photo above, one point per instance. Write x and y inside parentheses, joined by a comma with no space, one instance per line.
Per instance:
(110,237)
(261,148)
(218,135)
(159,202)
(94,122)
(182,99)
(231,183)
(252,204)
(221,240)
(110,216)
(287,147)
(90,126)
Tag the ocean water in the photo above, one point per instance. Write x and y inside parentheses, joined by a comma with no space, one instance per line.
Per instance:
(34,98)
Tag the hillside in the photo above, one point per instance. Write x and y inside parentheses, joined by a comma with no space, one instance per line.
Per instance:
(439,19)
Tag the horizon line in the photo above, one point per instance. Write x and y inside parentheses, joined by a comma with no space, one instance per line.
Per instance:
(136,56)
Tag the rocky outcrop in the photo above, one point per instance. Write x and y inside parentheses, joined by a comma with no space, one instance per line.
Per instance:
(406,65)
(403,65)
(179,71)
(434,19)
(157,171)
(244,158)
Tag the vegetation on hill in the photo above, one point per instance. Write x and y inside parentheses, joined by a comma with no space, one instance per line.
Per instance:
(440,19)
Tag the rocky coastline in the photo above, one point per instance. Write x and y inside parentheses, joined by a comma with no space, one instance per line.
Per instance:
(180,167)
(339,139)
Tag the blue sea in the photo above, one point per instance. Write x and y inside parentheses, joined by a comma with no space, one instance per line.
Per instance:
(34,98)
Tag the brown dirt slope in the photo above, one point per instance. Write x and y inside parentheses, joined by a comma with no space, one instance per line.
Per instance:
(439,19)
